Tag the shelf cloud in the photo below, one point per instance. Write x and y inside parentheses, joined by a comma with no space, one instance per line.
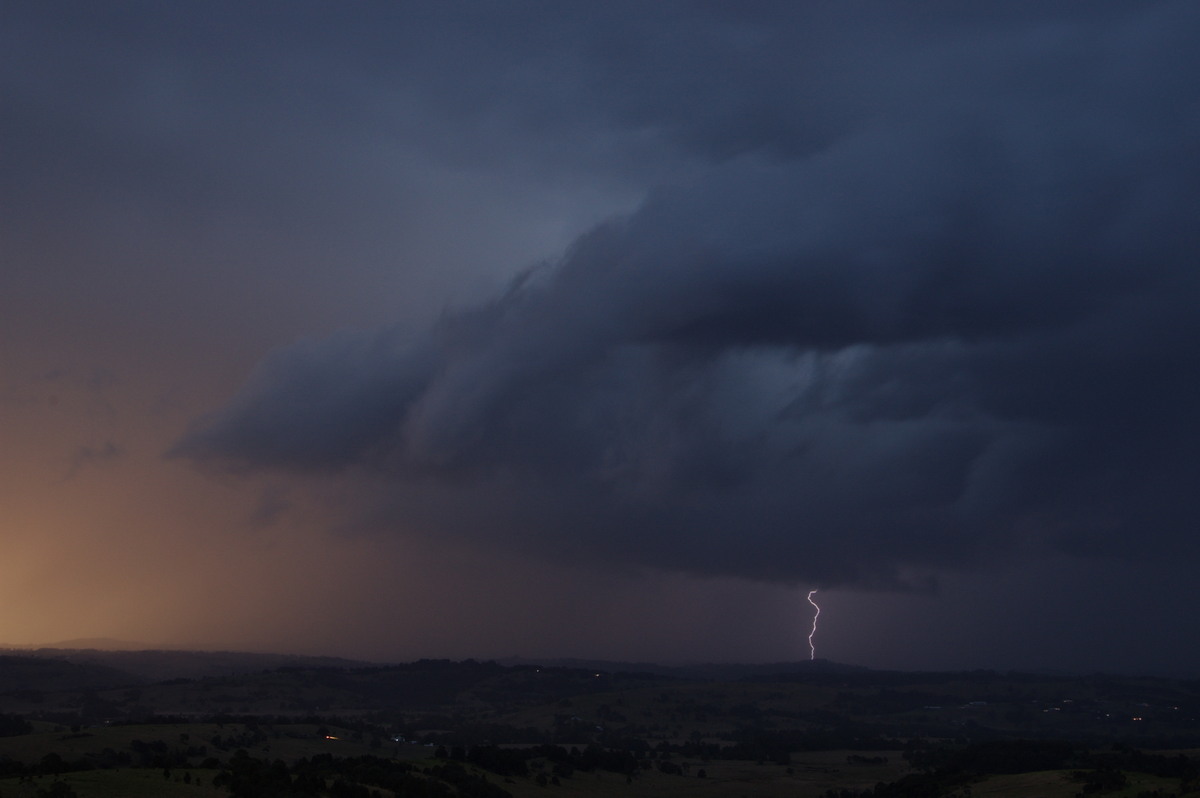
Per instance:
(931,308)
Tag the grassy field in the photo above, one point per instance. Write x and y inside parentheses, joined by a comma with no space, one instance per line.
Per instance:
(810,774)
(1058,784)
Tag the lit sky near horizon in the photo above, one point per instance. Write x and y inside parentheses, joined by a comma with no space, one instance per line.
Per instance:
(479,329)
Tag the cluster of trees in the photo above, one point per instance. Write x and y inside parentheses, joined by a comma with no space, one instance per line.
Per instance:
(762,745)
(13,725)
(1179,766)
(946,769)
(327,776)
(562,761)
(549,764)
(628,755)
(994,756)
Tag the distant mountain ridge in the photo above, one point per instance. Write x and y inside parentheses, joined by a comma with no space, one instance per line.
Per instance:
(22,672)
(92,643)
(157,665)
(703,671)
(147,664)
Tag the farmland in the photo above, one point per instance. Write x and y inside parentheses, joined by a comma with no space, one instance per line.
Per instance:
(89,724)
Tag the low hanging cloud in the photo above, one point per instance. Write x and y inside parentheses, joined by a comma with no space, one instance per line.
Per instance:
(966,327)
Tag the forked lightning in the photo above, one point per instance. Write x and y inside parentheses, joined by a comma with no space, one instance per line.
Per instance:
(811,648)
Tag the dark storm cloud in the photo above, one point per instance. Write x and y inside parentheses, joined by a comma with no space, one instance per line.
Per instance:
(921,310)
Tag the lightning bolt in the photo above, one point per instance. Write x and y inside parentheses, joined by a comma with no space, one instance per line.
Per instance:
(811,648)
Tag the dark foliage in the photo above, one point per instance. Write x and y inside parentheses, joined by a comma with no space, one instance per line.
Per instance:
(14,725)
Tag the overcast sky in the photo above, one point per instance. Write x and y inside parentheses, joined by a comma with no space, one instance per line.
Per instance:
(449,329)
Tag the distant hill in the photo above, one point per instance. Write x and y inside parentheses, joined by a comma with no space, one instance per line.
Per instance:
(720,672)
(92,643)
(139,667)
(31,673)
